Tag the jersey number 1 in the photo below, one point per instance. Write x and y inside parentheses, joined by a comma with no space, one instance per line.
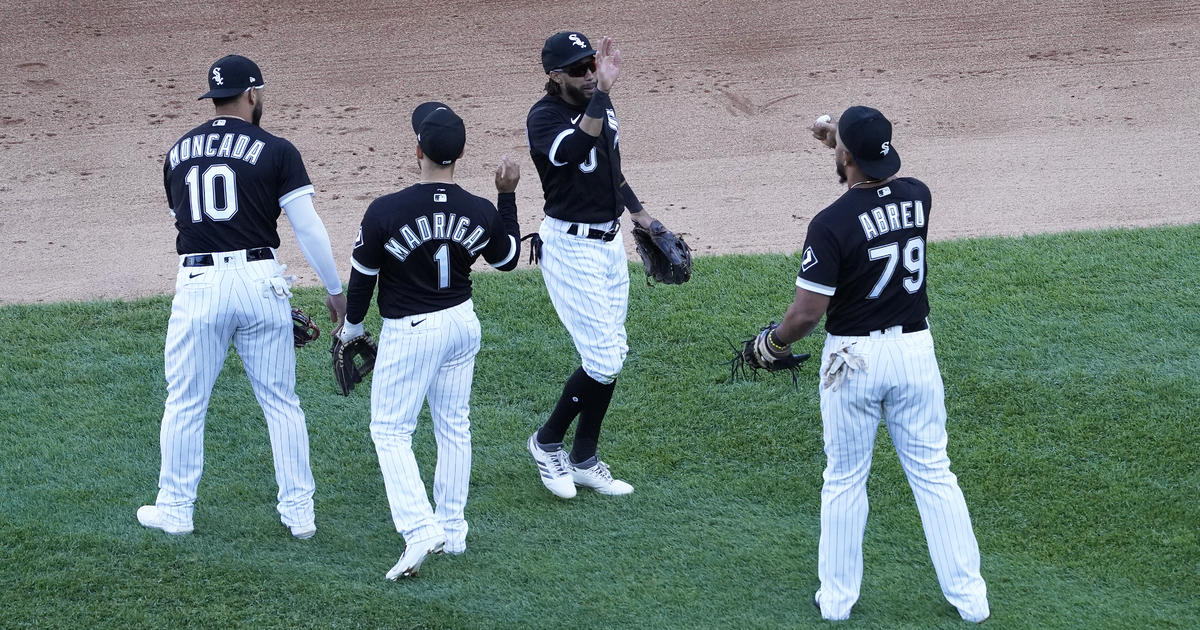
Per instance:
(442,256)
(914,262)
(202,192)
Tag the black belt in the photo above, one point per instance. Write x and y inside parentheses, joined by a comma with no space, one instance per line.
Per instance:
(576,229)
(910,327)
(206,260)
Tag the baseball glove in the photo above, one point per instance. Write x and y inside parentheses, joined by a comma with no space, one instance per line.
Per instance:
(761,353)
(667,258)
(352,360)
(304,329)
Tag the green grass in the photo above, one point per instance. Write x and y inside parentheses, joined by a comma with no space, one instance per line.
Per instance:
(1070,364)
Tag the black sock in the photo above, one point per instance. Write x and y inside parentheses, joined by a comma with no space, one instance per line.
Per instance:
(565,411)
(595,400)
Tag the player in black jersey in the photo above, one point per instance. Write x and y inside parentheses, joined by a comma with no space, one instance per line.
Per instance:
(863,268)
(574,141)
(420,243)
(226,182)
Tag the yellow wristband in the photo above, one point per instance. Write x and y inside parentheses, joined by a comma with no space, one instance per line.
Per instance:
(772,340)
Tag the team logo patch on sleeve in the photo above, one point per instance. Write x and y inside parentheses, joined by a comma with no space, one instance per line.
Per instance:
(358,241)
(810,259)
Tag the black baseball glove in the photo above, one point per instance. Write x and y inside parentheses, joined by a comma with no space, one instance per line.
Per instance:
(667,258)
(304,329)
(352,360)
(761,353)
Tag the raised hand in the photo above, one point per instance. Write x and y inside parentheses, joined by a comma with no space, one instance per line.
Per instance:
(608,64)
(508,173)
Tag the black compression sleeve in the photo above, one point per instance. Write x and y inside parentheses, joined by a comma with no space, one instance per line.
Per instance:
(358,296)
(631,201)
(506,204)
(598,106)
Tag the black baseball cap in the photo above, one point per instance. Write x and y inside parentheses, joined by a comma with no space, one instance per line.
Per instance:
(441,135)
(565,48)
(422,111)
(867,135)
(231,75)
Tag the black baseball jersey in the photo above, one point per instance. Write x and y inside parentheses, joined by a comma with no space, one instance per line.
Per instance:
(580,183)
(226,181)
(421,243)
(867,251)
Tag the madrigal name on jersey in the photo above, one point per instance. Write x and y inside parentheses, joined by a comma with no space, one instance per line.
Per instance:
(437,226)
(221,145)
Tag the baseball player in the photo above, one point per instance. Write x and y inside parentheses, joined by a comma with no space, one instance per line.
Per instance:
(574,141)
(226,181)
(863,268)
(420,243)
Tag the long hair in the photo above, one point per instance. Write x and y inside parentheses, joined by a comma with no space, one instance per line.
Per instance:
(553,88)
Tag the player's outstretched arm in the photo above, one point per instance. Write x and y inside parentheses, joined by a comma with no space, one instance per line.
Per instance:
(504,250)
(608,68)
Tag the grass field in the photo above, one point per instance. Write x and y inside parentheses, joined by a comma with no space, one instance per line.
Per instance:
(1071,365)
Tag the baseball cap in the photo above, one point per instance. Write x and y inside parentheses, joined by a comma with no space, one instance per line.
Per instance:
(442,135)
(422,111)
(867,135)
(231,75)
(565,48)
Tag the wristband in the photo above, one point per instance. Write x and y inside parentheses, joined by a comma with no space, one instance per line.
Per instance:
(598,106)
(773,340)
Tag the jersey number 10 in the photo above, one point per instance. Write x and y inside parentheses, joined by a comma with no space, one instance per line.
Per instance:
(202,192)
(914,261)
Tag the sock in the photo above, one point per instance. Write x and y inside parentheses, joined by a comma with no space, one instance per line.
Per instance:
(595,400)
(587,463)
(565,411)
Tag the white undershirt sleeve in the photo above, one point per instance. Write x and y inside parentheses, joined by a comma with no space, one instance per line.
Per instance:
(313,240)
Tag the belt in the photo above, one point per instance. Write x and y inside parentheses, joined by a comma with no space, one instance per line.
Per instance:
(578,229)
(206,260)
(910,327)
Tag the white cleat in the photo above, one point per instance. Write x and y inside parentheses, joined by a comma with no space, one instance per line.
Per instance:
(554,469)
(150,516)
(414,555)
(599,478)
(303,532)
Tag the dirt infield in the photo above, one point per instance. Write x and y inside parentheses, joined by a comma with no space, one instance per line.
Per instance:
(1022,116)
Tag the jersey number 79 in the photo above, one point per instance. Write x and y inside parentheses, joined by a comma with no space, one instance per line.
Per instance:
(913,256)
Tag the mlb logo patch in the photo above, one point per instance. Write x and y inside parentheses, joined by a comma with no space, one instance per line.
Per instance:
(439,197)
(810,259)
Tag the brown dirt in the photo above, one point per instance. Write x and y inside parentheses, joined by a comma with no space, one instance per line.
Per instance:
(1022,116)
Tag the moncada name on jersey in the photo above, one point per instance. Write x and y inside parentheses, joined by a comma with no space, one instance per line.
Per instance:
(231,145)
(438,226)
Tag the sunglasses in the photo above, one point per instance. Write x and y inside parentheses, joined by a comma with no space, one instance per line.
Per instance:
(580,69)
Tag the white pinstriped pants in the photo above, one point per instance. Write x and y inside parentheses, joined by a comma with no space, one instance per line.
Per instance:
(224,302)
(903,384)
(588,283)
(429,356)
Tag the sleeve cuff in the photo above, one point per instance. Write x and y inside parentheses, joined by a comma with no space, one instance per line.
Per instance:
(814,287)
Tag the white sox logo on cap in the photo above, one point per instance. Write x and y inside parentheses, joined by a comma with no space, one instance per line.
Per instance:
(884,148)
(217,76)
(577,41)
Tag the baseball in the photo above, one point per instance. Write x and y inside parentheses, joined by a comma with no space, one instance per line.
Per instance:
(824,118)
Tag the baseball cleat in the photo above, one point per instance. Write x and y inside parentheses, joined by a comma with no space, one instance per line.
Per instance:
(150,516)
(414,555)
(303,532)
(553,468)
(599,478)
